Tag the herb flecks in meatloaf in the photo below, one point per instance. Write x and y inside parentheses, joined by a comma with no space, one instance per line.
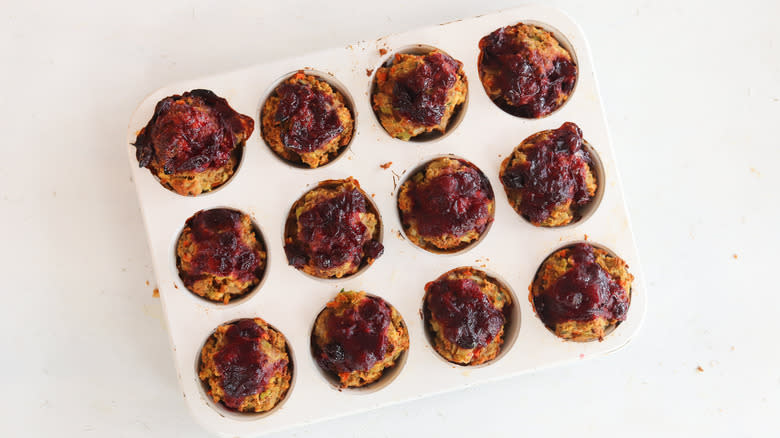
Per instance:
(418,94)
(193,142)
(358,338)
(305,120)
(581,292)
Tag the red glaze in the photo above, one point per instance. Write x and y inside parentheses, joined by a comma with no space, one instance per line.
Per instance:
(308,117)
(465,313)
(358,338)
(583,293)
(555,172)
(452,203)
(529,83)
(421,95)
(220,251)
(245,369)
(191,133)
(331,233)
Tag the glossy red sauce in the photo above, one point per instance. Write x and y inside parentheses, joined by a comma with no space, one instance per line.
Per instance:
(308,118)
(220,250)
(583,293)
(331,234)
(421,95)
(243,366)
(555,172)
(452,203)
(358,337)
(530,83)
(466,315)
(191,133)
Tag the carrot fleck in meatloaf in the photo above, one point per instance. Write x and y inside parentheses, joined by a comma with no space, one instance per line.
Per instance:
(581,292)
(549,178)
(333,230)
(418,94)
(466,312)
(525,71)
(306,121)
(193,142)
(245,365)
(358,337)
(219,254)
(447,205)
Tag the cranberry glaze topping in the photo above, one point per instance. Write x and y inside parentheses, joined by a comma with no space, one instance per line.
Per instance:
(465,313)
(244,367)
(358,337)
(555,172)
(308,118)
(530,82)
(220,250)
(191,133)
(331,233)
(583,293)
(421,95)
(453,203)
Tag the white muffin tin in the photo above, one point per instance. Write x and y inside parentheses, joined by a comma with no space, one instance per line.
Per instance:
(265,187)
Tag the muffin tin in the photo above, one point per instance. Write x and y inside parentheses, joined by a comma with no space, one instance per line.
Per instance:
(266,187)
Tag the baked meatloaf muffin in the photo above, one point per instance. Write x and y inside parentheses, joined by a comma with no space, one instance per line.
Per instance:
(333,230)
(418,94)
(447,205)
(245,366)
(549,178)
(525,71)
(581,292)
(357,338)
(306,121)
(194,142)
(465,313)
(220,255)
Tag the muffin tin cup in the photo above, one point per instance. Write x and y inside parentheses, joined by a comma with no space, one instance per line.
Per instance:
(570,244)
(336,85)
(584,213)
(431,248)
(265,188)
(223,410)
(511,326)
(564,42)
(370,208)
(261,237)
(388,375)
(457,115)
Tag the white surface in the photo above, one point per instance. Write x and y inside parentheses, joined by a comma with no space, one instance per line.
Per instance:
(692,95)
(290,301)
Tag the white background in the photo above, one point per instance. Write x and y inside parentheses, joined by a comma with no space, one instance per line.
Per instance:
(692,95)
